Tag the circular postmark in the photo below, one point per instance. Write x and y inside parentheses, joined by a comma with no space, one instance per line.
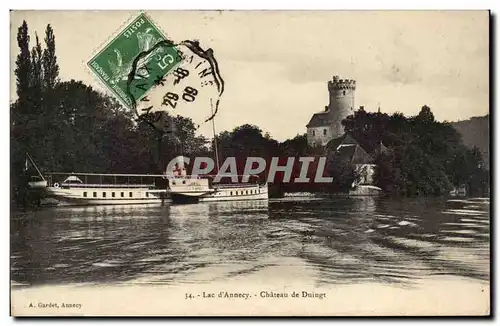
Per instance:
(191,87)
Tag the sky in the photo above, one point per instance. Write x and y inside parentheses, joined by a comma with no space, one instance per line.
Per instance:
(276,64)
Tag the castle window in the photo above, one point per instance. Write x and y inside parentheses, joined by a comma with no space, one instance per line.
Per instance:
(314,133)
(344,92)
(324,132)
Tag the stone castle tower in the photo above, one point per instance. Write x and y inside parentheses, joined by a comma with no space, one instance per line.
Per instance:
(327,125)
(341,102)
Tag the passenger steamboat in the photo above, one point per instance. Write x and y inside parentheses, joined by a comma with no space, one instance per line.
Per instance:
(186,189)
(82,189)
(121,189)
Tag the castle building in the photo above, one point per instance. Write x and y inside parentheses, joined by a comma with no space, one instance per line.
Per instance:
(327,125)
(362,158)
(325,129)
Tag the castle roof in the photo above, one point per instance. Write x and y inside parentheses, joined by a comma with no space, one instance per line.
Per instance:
(349,149)
(345,139)
(360,156)
(321,119)
(354,154)
(380,149)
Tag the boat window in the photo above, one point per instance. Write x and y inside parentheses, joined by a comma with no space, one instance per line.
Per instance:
(130,194)
(147,194)
(231,193)
(246,192)
(173,183)
(122,194)
(84,194)
(94,194)
(104,194)
(183,182)
(113,194)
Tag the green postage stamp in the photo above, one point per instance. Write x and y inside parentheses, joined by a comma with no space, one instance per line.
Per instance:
(140,47)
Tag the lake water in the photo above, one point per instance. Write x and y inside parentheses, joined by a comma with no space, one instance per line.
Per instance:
(311,241)
(342,256)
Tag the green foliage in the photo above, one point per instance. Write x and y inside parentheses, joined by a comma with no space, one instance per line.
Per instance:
(426,157)
(343,173)
(244,141)
(50,66)
(37,72)
(23,62)
(298,146)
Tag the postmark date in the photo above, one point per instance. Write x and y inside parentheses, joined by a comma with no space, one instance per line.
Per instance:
(189,95)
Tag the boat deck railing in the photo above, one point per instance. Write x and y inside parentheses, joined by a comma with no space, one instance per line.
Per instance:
(116,180)
(98,185)
(234,185)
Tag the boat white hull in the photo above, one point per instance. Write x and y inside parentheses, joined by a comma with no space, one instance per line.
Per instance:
(190,194)
(75,196)
(234,198)
(72,202)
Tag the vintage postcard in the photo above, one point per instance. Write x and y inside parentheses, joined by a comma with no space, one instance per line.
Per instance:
(250,163)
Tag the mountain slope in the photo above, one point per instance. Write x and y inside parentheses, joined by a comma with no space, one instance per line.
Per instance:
(475,132)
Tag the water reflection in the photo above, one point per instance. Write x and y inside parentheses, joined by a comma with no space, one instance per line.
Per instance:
(339,240)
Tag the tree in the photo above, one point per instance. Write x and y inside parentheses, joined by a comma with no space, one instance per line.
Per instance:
(425,115)
(369,129)
(298,146)
(246,140)
(426,157)
(342,171)
(185,131)
(20,113)
(23,62)
(37,76)
(50,66)
(387,175)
